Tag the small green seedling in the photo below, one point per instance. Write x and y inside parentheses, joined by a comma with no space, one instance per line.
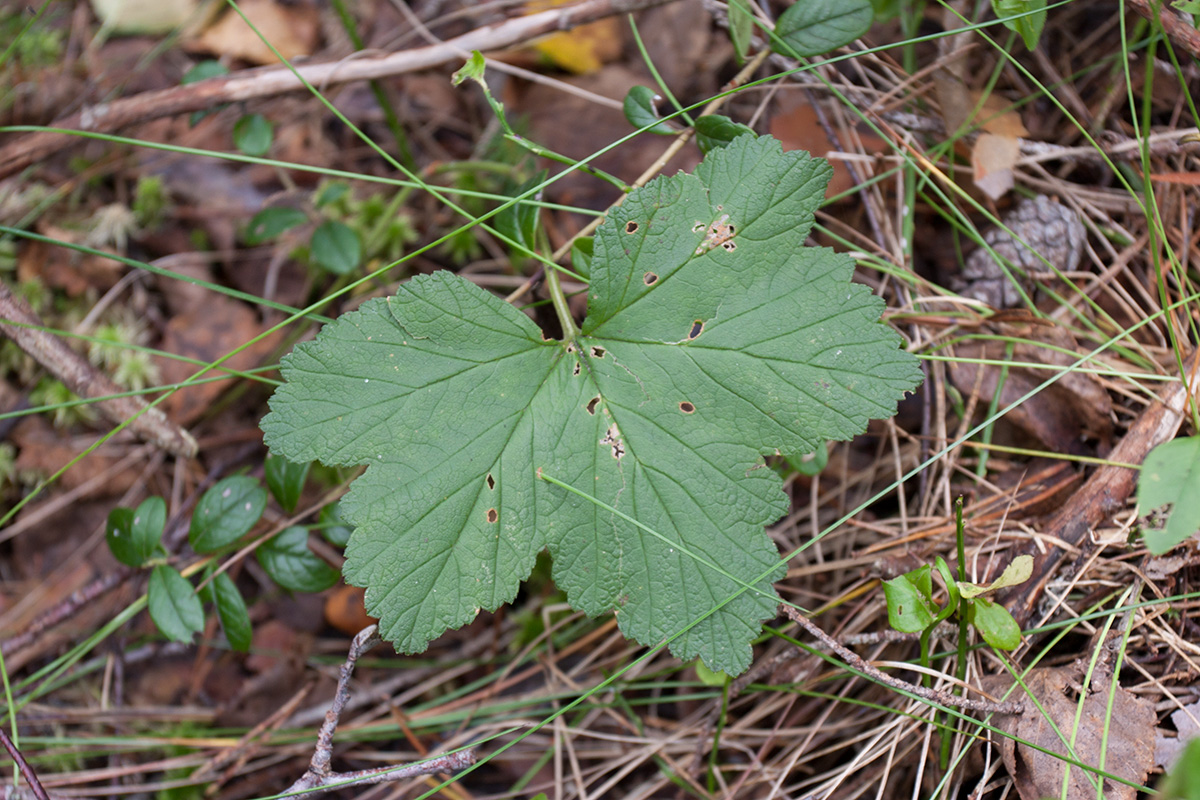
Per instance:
(912,608)
(223,516)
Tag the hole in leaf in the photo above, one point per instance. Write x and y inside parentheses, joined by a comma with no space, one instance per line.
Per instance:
(686,407)
(491,482)
(699,226)
(492,515)
(613,437)
(591,406)
(598,352)
(649,279)
(576,370)
(697,326)
(729,246)
(631,227)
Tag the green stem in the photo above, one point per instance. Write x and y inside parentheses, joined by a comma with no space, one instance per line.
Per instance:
(560,304)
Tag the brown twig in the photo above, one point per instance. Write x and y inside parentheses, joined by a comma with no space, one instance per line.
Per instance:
(318,777)
(1180,31)
(68,608)
(26,771)
(857,663)
(19,323)
(272,81)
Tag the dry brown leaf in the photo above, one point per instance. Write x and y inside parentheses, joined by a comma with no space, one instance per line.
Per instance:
(997,115)
(1061,415)
(581,50)
(207,333)
(992,159)
(800,129)
(292,29)
(1121,744)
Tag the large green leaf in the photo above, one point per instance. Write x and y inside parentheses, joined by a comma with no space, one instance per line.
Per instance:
(713,338)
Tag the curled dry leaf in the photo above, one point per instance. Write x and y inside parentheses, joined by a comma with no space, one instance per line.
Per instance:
(1121,744)
(1062,415)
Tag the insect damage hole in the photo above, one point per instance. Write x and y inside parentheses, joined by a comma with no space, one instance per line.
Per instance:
(612,437)
(491,482)
(591,406)
(598,352)
(697,327)
(649,279)
(492,515)
(631,227)
(686,407)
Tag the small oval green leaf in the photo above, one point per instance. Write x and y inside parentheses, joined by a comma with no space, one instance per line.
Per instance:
(714,131)
(814,27)
(285,480)
(520,221)
(582,250)
(226,512)
(270,222)
(133,536)
(1015,573)
(335,247)
(290,563)
(711,677)
(1026,17)
(252,134)
(640,111)
(741,27)
(334,526)
(203,71)
(995,624)
(231,611)
(910,600)
(174,606)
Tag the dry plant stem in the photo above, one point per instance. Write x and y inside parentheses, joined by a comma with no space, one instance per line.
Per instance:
(272,81)
(66,609)
(26,771)
(85,380)
(1181,32)
(1104,493)
(319,778)
(857,663)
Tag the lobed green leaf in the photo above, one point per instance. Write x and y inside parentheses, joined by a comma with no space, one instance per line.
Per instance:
(713,338)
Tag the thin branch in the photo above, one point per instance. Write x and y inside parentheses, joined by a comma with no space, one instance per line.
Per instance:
(318,778)
(856,662)
(1180,31)
(19,323)
(273,81)
(26,771)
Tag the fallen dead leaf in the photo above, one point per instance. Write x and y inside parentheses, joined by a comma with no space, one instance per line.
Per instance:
(207,333)
(800,129)
(293,30)
(1062,415)
(992,160)
(581,50)
(1121,744)
(1187,726)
